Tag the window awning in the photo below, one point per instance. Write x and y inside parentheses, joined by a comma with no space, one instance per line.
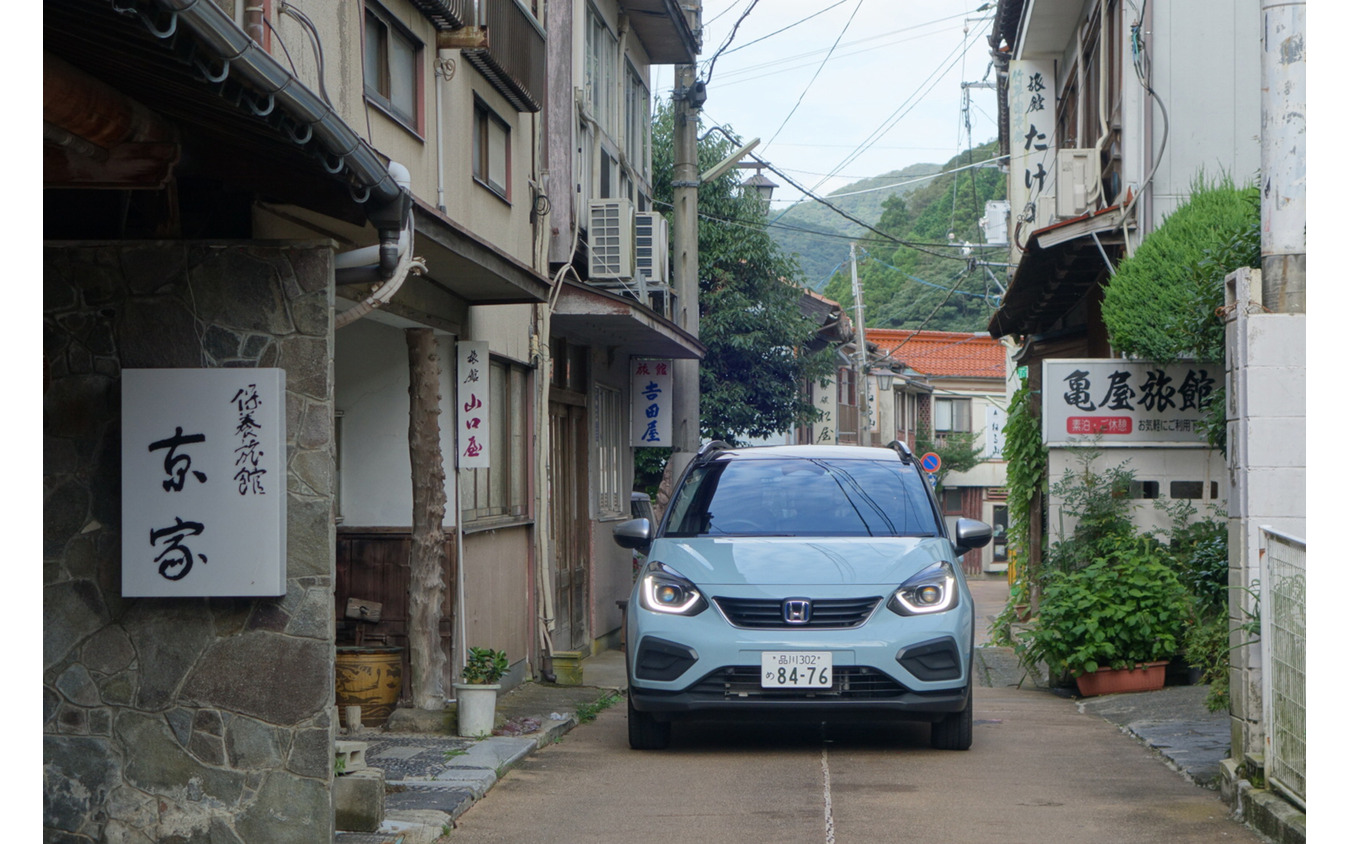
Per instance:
(1060,264)
(589,316)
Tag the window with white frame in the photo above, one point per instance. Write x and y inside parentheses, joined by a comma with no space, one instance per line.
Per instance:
(500,493)
(609,448)
(491,150)
(951,416)
(602,70)
(638,124)
(391,62)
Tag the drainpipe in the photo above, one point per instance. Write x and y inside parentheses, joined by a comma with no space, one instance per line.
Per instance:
(390,261)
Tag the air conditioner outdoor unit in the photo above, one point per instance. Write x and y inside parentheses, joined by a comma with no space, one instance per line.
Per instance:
(1075,181)
(609,238)
(651,246)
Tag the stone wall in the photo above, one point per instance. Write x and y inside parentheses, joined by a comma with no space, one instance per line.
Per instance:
(183,720)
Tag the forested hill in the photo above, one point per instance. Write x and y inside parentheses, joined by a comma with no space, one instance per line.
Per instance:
(917,276)
(820,254)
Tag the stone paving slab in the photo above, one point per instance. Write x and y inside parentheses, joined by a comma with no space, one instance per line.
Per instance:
(425,796)
(413,757)
(1174,722)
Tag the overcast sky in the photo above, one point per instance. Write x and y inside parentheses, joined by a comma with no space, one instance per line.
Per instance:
(875,84)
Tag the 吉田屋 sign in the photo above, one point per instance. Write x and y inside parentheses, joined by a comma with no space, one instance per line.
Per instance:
(1120,402)
(651,408)
(203,482)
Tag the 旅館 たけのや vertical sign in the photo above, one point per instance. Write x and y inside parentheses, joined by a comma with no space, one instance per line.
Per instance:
(203,482)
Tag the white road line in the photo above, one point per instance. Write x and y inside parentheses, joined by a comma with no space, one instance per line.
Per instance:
(829,808)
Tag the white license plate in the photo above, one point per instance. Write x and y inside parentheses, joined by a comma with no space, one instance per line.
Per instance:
(796,669)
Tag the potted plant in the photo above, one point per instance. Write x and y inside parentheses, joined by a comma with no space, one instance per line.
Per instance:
(1114,624)
(477,695)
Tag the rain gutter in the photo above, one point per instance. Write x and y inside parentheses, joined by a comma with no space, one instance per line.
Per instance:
(342,148)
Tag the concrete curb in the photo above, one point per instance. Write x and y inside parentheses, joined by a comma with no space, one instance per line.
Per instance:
(422,811)
(1261,809)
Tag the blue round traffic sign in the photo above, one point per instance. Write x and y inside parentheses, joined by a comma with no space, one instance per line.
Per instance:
(930,462)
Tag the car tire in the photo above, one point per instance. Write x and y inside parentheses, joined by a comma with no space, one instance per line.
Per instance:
(955,731)
(645,732)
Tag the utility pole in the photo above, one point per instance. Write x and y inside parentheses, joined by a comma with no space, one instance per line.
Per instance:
(688,98)
(864,413)
(1284,206)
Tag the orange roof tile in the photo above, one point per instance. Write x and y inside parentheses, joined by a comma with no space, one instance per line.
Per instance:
(951,354)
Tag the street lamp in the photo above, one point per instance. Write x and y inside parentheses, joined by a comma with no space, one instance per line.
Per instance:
(762,184)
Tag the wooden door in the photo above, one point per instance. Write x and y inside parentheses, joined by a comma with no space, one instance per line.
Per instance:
(568,524)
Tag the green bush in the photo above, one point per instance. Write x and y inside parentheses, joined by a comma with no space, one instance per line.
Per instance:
(485,666)
(1207,648)
(1126,608)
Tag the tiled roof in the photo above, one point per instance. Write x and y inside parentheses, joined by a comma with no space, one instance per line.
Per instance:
(951,354)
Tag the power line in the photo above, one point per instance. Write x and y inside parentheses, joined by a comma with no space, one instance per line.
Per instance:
(823,62)
(786,28)
(910,103)
(776,66)
(713,61)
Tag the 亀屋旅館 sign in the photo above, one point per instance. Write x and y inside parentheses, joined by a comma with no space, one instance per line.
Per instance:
(1120,402)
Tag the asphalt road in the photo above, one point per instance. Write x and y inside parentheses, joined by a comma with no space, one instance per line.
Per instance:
(1040,772)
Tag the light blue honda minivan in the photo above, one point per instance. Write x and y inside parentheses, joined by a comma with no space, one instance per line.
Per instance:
(801,580)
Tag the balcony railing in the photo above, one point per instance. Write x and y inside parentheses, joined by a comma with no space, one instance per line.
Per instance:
(515,58)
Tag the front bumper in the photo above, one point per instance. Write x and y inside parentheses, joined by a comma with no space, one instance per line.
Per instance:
(915,668)
(704,698)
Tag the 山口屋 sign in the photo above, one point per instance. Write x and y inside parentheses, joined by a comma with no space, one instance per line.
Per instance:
(651,397)
(471,373)
(1119,402)
(203,482)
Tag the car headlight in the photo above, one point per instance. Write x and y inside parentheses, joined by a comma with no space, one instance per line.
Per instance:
(931,590)
(665,590)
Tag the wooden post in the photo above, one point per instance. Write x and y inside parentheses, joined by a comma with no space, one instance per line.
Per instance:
(426,586)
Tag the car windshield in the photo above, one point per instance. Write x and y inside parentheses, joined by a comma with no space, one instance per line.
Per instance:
(803,497)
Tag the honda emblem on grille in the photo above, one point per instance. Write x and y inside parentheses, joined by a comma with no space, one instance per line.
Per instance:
(796,611)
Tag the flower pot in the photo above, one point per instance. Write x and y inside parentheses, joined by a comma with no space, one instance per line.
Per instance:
(477,709)
(1146,677)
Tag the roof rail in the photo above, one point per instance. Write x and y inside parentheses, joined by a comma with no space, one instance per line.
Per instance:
(901,449)
(709,449)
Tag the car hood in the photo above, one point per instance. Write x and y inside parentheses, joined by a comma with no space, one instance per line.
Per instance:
(798,561)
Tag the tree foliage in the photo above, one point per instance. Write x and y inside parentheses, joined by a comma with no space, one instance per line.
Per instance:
(749,303)
(929,284)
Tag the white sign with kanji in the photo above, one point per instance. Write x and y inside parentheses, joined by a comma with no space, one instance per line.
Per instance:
(1123,402)
(472,395)
(652,403)
(1031,138)
(203,482)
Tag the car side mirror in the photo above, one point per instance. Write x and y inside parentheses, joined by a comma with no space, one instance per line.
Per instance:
(634,533)
(971,534)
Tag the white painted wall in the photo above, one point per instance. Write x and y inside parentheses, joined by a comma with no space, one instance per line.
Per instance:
(1267,446)
(1206,61)
(1163,465)
(375,473)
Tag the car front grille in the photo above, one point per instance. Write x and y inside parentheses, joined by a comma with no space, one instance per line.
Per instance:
(850,682)
(767,613)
